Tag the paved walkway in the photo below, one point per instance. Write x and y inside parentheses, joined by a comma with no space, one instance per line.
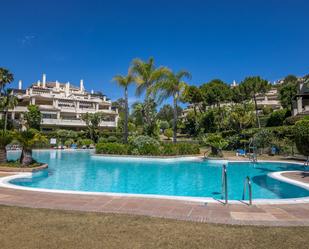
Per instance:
(242,214)
(298,176)
(270,215)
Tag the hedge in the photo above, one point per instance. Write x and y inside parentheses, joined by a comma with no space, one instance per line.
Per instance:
(112,148)
(164,149)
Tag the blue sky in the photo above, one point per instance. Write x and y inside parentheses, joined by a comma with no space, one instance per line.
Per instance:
(94,40)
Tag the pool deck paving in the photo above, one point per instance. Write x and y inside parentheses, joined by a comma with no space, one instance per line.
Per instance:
(237,214)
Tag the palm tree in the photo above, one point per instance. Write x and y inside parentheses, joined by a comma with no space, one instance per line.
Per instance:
(172,86)
(253,86)
(28,139)
(5,139)
(146,75)
(8,101)
(125,81)
(5,78)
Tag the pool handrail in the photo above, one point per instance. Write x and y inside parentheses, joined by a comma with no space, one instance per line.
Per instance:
(224,184)
(247,183)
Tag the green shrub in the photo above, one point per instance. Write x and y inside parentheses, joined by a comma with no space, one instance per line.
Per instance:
(277,118)
(284,146)
(84,142)
(301,133)
(292,120)
(282,131)
(263,138)
(267,110)
(149,149)
(164,125)
(216,142)
(187,149)
(234,142)
(112,139)
(144,145)
(102,140)
(68,142)
(169,149)
(168,133)
(112,148)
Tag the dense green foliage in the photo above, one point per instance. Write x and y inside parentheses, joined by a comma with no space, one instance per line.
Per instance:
(287,91)
(168,133)
(216,142)
(85,142)
(277,118)
(33,117)
(93,121)
(112,148)
(301,133)
(147,146)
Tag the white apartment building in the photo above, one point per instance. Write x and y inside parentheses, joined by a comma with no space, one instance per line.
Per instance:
(269,99)
(62,105)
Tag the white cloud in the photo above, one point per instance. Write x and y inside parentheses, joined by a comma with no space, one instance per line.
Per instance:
(27,40)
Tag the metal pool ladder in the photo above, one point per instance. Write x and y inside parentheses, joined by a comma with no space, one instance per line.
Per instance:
(247,183)
(224,184)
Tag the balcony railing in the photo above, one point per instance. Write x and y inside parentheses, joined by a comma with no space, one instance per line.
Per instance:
(74,122)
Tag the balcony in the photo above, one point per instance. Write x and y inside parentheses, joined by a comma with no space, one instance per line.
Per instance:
(74,122)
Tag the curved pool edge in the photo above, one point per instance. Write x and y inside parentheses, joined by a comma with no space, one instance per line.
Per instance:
(5,183)
(147,158)
(278,176)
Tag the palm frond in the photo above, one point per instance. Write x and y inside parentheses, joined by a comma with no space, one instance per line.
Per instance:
(183,74)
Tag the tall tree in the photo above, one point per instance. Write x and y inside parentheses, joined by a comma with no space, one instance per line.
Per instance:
(167,112)
(119,104)
(8,101)
(5,139)
(149,114)
(172,86)
(193,96)
(241,116)
(125,81)
(137,113)
(287,91)
(215,93)
(93,121)
(146,75)
(238,95)
(253,86)
(33,117)
(6,77)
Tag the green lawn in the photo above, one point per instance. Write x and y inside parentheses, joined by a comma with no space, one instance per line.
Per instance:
(38,228)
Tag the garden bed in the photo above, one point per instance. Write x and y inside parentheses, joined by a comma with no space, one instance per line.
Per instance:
(17,167)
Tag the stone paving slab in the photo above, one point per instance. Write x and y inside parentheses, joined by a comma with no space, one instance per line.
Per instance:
(240,214)
(301,176)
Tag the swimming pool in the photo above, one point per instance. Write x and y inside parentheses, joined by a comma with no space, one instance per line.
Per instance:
(82,171)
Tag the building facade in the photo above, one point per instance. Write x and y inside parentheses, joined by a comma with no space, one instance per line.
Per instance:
(62,105)
(301,102)
(269,99)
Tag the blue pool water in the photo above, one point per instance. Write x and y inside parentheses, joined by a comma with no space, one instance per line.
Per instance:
(79,170)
